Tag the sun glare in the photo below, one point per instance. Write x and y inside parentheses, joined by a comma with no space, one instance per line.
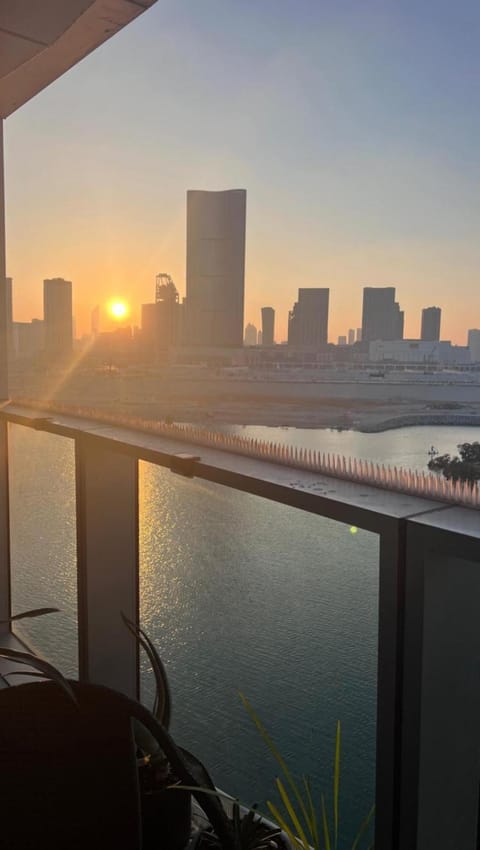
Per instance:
(118,309)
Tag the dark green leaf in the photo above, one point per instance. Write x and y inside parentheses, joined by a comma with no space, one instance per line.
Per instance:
(48,670)
(161,708)
(35,612)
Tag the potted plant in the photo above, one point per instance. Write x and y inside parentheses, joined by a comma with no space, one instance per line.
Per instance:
(308,827)
(167,774)
(165,812)
(250,832)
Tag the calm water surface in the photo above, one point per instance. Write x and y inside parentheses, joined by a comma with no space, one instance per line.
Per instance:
(238,594)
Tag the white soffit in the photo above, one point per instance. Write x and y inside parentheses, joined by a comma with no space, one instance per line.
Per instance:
(41,39)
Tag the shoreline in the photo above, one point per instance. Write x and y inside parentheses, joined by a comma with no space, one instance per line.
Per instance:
(370,421)
(391,424)
(411,421)
(217,403)
(366,419)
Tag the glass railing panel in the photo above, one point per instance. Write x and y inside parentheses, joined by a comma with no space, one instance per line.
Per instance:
(43,541)
(243,594)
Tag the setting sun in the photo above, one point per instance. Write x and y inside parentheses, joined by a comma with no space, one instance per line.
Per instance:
(118,309)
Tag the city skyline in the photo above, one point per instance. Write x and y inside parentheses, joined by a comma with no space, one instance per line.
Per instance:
(107,319)
(350,181)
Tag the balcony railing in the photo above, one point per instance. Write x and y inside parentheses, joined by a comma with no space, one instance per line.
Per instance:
(428,687)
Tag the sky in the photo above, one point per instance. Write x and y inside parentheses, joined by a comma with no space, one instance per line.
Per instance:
(353,126)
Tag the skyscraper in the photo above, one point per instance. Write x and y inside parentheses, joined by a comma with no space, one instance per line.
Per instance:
(308,320)
(161,321)
(430,331)
(381,315)
(474,344)
(57,313)
(351,336)
(250,335)
(215,267)
(268,325)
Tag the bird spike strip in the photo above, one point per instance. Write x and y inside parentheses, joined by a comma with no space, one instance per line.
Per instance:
(413,482)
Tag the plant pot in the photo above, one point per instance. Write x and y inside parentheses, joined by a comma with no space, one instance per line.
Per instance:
(205,839)
(166,819)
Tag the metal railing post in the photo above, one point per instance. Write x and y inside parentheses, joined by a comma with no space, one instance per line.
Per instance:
(3,281)
(389,681)
(107,546)
(5,594)
(4,499)
(440,765)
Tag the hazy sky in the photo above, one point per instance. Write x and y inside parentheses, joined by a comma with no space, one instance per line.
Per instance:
(354,126)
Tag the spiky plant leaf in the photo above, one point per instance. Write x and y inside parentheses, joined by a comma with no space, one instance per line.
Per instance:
(313,824)
(278,757)
(291,812)
(336,783)
(363,828)
(278,817)
(326,831)
(162,703)
(48,670)
(294,830)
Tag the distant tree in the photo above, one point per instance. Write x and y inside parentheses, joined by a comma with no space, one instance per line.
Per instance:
(463,467)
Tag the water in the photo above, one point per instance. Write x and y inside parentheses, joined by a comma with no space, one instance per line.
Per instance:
(43,540)
(283,608)
(238,593)
(406,447)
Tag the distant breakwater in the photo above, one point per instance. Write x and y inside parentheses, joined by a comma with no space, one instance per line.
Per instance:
(414,419)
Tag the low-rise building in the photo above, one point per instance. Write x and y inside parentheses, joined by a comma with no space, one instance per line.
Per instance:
(418,351)
(28,338)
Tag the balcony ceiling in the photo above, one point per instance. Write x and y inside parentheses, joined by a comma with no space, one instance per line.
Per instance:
(41,39)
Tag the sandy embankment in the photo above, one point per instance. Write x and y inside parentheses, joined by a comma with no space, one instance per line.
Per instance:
(212,400)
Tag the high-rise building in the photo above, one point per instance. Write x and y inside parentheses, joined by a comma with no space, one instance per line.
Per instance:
(342,340)
(57,313)
(351,336)
(161,320)
(250,335)
(260,338)
(308,320)
(359,335)
(431,317)
(215,267)
(398,322)
(165,289)
(474,344)
(268,325)
(381,316)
